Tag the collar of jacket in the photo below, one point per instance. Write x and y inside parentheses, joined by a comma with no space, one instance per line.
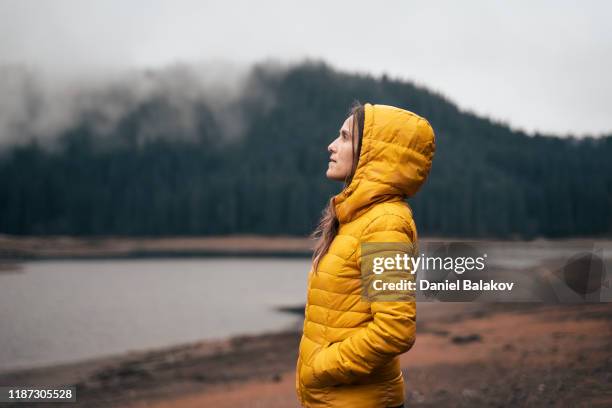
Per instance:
(397,149)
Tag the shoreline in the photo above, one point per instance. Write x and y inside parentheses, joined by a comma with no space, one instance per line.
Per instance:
(504,353)
(16,248)
(466,354)
(173,370)
(29,248)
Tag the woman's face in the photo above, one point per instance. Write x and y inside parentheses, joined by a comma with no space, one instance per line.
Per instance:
(341,152)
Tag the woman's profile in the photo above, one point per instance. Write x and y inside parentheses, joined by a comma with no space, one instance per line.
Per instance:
(349,350)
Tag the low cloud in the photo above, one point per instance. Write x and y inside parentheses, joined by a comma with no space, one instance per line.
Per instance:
(36,105)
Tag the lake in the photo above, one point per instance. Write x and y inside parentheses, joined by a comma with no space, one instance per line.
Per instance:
(63,311)
(55,311)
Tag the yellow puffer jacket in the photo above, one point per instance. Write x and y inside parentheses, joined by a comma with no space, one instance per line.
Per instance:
(349,351)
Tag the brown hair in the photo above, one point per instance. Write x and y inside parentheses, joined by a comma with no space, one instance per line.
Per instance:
(327,227)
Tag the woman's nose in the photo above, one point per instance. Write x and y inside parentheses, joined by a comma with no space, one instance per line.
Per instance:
(330,148)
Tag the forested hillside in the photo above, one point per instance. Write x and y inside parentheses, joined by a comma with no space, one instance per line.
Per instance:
(143,177)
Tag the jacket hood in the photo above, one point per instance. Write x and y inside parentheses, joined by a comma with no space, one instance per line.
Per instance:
(397,149)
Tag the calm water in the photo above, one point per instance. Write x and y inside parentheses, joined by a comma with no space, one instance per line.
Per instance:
(60,311)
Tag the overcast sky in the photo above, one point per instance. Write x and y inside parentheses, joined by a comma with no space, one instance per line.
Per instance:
(536,65)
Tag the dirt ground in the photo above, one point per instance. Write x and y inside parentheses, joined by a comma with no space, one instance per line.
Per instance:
(466,355)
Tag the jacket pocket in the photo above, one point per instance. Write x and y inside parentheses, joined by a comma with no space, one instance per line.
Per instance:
(311,379)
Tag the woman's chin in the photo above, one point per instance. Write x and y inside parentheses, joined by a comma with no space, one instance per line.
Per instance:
(330,174)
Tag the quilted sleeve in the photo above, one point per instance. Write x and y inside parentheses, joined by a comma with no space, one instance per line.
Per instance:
(392,329)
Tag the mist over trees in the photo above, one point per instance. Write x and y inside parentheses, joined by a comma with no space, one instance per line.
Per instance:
(259,167)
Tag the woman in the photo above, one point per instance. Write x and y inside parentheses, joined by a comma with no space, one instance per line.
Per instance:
(349,351)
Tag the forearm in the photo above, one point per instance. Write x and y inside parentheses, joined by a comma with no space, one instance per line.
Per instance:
(392,332)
